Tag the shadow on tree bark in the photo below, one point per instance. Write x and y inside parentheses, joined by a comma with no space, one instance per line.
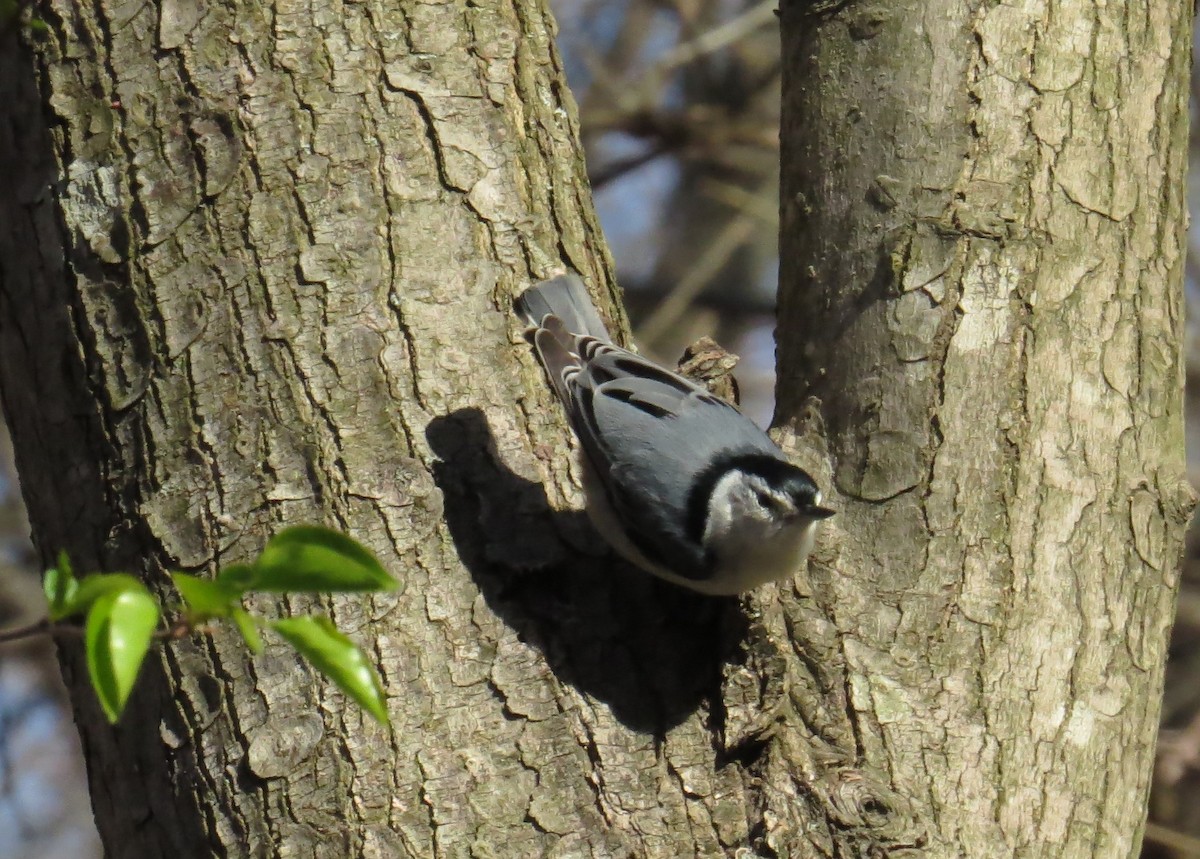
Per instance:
(651,651)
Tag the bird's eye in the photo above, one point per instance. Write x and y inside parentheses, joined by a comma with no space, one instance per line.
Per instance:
(767,501)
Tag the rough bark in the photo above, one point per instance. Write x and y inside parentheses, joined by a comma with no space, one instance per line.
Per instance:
(256,262)
(982,264)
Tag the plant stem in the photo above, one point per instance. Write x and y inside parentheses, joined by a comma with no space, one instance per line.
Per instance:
(179,629)
(41,627)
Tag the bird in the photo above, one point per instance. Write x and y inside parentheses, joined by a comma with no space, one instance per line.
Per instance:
(678,481)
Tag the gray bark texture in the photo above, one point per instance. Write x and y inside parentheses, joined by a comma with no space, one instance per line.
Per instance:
(256,263)
(982,265)
(255,268)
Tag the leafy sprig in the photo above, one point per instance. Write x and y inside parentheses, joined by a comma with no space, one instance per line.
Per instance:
(122,619)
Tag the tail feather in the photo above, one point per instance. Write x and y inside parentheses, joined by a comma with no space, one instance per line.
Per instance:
(558,360)
(567,298)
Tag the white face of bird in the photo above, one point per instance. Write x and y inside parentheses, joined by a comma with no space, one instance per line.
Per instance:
(760,530)
(744,498)
(745,507)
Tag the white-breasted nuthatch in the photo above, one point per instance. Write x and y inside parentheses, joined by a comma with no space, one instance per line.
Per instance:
(677,480)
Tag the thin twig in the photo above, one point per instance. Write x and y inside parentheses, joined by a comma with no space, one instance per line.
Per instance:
(743,200)
(1185,846)
(710,260)
(617,169)
(609,83)
(41,627)
(179,629)
(630,98)
(726,34)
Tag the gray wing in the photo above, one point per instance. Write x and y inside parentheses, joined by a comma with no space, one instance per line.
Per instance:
(650,434)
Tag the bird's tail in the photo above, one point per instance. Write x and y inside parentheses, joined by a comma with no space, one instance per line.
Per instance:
(567,298)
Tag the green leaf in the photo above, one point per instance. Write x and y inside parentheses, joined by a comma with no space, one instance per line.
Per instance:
(60,587)
(98,585)
(237,577)
(205,598)
(64,564)
(312,559)
(249,630)
(338,658)
(120,627)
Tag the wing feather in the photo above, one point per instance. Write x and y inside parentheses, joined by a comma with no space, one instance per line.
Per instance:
(648,434)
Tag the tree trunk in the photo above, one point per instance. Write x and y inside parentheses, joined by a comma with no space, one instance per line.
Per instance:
(255,269)
(982,265)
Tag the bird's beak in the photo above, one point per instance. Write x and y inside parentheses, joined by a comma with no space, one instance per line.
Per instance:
(819,512)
